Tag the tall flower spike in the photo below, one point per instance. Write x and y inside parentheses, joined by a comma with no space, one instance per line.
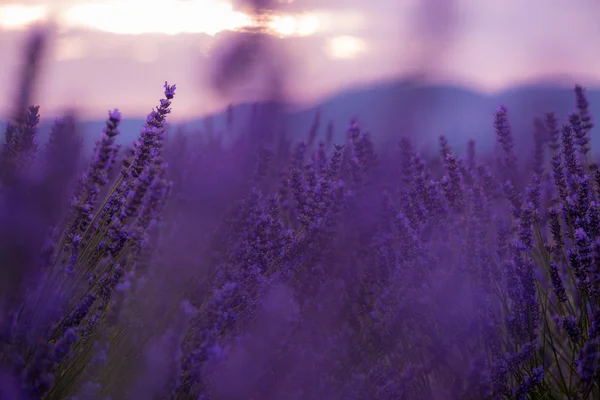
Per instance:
(553,132)
(20,143)
(97,174)
(581,137)
(583,108)
(568,151)
(504,137)
(444,147)
(557,283)
(150,142)
(452,184)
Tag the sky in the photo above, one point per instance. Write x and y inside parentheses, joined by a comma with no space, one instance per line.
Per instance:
(118,53)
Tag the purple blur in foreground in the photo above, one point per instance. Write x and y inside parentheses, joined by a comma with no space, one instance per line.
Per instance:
(269,267)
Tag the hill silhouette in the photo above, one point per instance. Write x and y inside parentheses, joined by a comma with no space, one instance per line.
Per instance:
(394,109)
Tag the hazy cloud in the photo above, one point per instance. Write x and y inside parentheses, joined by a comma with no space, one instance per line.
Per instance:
(484,44)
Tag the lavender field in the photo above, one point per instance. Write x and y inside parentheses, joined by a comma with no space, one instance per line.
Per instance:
(267,267)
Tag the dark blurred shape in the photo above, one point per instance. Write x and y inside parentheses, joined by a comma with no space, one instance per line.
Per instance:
(436,22)
(236,59)
(33,202)
(31,198)
(256,6)
(22,227)
(34,52)
(8,386)
(243,57)
(433,33)
(247,51)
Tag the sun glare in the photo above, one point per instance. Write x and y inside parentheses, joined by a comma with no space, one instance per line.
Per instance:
(166,16)
(169,17)
(289,25)
(172,17)
(14,16)
(343,47)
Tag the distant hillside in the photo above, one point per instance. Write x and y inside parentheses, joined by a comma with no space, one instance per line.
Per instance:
(394,109)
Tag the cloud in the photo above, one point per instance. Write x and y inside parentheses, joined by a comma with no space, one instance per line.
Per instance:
(485,44)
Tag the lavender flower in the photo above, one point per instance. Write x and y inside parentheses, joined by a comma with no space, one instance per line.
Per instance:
(452,184)
(557,283)
(406,275)
(585,117)
(553,131)
(149,144)
(568,151)
(504,137)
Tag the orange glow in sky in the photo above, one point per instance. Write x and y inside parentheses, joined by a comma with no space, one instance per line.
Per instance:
(493,46)
(15,16)
(172,17)
(169,17)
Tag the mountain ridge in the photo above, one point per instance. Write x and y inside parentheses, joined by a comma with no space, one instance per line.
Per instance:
(393,109)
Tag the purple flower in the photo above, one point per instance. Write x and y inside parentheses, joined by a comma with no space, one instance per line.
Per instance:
(568,152)
(584,115)
(452,184)
(557,283)
(504,137)
(571,325)
(537,375)
(587,364)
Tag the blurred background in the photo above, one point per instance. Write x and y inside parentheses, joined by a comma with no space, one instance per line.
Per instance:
(432,66)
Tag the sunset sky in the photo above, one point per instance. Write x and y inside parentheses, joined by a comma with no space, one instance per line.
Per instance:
(118,53)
